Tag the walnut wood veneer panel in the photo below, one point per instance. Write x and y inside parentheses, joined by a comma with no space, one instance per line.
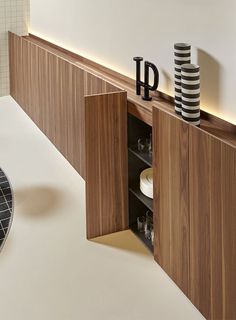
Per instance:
(51,91)
(171,196)
(212,166)
(106,163)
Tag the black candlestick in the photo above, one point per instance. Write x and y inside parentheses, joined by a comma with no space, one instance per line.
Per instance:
(138,72)
(145,84)
(147,87)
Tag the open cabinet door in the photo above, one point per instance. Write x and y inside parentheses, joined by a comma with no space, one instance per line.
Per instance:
(106,163)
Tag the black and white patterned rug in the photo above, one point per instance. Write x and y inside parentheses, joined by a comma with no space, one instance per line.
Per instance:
(6,207)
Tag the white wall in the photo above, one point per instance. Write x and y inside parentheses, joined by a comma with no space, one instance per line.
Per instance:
(14,16)
(112,32)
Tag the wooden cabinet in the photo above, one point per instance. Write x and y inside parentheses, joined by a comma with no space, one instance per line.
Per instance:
(106,163)
(74,103)
(74,108)
(195,213)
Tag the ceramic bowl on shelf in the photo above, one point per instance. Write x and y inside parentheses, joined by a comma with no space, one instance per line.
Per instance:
(146,182)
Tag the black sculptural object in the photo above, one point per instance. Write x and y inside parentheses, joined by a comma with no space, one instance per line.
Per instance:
(147,65)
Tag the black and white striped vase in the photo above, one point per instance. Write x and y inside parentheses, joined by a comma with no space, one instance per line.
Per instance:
(190,86)
(182,53)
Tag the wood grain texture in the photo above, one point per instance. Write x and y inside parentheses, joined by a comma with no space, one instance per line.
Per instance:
(171,197)
(51,91)
(106,163)
(212,167)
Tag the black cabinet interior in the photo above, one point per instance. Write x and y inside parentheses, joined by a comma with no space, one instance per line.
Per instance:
(139,204)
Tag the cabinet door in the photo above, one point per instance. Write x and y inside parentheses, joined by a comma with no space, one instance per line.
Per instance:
(212,170)
(106,163)
(171,198)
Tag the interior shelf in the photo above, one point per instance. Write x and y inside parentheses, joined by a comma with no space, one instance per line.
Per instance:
(135,189)
(141,236)
(145,157)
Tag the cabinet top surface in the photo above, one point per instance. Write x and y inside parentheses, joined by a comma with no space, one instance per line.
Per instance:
(210,124)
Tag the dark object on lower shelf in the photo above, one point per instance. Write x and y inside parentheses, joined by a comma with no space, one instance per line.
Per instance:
(148,202)
(141,236)
(144,156)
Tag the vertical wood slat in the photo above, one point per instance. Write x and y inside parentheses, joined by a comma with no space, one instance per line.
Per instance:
(186,157)
(213,223)
(51,91)
(106,163)
(228,178)
(207,168)
(171,197)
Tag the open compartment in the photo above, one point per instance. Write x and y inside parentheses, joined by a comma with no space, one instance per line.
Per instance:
(140,158)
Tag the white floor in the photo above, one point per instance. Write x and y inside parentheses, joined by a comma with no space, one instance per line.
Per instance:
(48,270)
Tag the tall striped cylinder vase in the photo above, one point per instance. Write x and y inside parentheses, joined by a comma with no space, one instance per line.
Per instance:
(190,86)
(182,53)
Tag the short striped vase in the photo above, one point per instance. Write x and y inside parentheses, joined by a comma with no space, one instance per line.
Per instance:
(182,52)
(190,86)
